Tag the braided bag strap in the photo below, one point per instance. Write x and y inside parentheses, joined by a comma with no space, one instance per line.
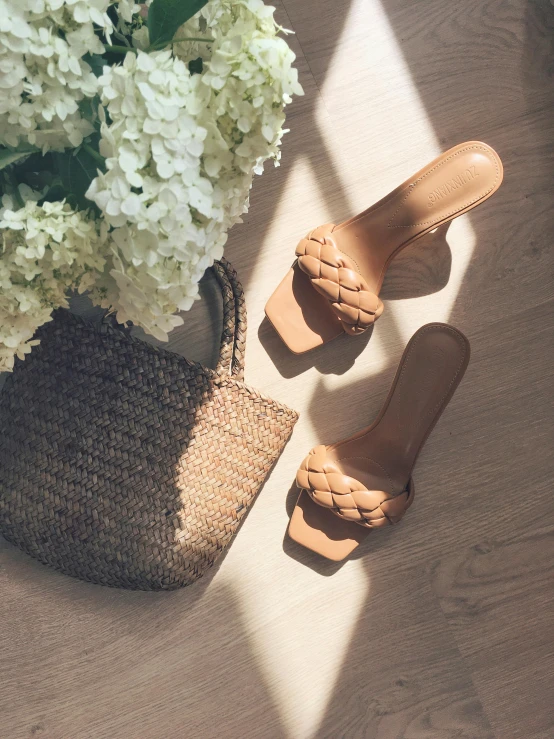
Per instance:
(233,335)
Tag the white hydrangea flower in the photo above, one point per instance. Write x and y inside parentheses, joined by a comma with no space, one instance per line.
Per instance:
(181,151)
(43,76)
(46,251)
(126,9)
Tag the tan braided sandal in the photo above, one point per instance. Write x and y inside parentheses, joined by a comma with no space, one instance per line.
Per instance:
(333,286)
(365,482)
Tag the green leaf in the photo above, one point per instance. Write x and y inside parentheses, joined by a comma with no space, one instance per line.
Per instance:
(9,156)
(196,66)
(88,107)
(54,192)
(96,63)
(166,16)
(35,163)
(76,171)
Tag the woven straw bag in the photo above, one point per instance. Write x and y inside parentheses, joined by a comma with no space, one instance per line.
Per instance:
(127,465)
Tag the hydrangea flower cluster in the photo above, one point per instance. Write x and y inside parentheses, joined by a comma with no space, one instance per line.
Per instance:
(46,250)
(181,151)
(166,145)
(43,76)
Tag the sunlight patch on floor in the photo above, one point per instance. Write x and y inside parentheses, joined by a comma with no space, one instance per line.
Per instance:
(300,648)
(299,642)
(374,166)
(291,224)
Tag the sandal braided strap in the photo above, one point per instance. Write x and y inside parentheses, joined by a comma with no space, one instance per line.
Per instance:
(346,497)
(334,276)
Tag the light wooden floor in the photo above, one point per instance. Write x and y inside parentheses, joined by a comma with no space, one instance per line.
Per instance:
(442,627)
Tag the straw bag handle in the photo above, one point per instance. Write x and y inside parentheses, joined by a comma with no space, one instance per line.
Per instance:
(233,336)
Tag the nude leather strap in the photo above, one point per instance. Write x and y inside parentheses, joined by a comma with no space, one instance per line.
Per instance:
(334,276)
(348,498)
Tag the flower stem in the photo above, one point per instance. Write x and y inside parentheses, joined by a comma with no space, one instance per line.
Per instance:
(163,44)
(94,154)
(119,49)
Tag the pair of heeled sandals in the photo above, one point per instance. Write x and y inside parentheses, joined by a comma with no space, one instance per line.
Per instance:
(364,482)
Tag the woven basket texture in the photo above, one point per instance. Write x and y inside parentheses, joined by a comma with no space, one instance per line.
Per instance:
(127,465)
